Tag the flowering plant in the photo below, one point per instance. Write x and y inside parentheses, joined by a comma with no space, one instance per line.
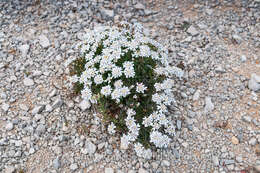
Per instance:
(127,75)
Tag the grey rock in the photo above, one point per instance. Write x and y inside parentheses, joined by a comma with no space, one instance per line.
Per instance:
(109,170)
(44,41)
(48,108)
(247,119)
(220,69)
(243,58)
(5,107)
(40,129)
(237,38)
(196,95)
(229,162)
(239,159)
(89,148)
(24,49)
(56,163)
(109,13)
(10,169)
(254,82)
(215,160)
(192,31)
(166,163)
(57,103)
(38,109)
(142,170)
(24,107)
(209,106)
(209,11)
(139,6)
(252,141)
(178,124)
(9,126)
(84,105)
(28,82)
(73,166)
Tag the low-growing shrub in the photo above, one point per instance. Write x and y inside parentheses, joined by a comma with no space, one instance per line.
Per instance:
(127,76)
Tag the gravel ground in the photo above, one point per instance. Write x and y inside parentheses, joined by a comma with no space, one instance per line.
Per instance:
(44,129)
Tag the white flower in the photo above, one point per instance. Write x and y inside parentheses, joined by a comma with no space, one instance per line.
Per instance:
(156,98)
(147,121)
(159,139)
(128,65)
(129,72)
(98,79)
(106,90)
(130,112)
(124,141)
(86,94)
(116,94)
(140,88)
(111,128)
(74,79)
(116,72)
(124,91)
(118,84)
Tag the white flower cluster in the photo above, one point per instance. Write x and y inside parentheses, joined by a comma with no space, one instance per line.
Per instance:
(102,49)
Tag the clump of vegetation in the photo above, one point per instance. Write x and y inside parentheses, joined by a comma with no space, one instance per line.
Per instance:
(127,76)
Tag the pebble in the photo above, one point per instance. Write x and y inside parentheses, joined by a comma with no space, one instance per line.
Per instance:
(9,126)
(192,31)
(166,163)
(109,13)
(28,82)
(24,107)
(89,148)
(254,82)
(215,160)
(44,41)
(38,109)
(234,140)
(196,95)
(237,38)
(178,124)
(247,119)
(57,103)
(84,105)
(73,166)
(10,169)
(209,106)
(5,107)
(109,170)
(56,163)
(252,141)
(40,129)
(243,58)
(229,162)
(24,49)
(139,6)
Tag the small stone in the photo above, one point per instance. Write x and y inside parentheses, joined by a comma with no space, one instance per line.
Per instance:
(89,148)
(73,166)
(5,107)
(219,69)
(154,165)
(57,103)
(229,162)
(23,107)
(28,82)
(109,13)
(237,38)
(254,82)
(10,169)
(109,170)
(215,160)
(234,140)
(142,170)
(209,11)
(56,163)
(178,124)
(252,141)
(166,163)
(24,49)
(196,95)
(40,129)
(32,150)
(239,159)
(247,119)
(139,6)
(243,58)
(185,144)
(44,41)
(48,108)
(192,30)
(9,126)
(84,105)
(257,167)
(38,109)
(53,93)
(209,106)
